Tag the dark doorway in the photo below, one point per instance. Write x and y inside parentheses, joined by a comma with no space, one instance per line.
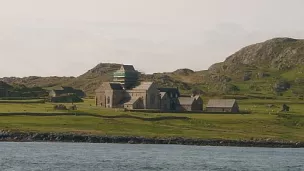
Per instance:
(172,105)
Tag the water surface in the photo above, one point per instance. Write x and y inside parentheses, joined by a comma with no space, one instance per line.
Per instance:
(84,156)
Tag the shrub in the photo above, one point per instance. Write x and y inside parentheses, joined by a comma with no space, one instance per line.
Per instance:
(230,88)
(70,98)
(281,85)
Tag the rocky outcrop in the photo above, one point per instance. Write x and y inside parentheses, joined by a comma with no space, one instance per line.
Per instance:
(103,68)
(271,58)
(277,53)
(183,72)
(59,137)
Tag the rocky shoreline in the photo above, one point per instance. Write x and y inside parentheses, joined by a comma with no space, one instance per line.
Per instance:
(6,136)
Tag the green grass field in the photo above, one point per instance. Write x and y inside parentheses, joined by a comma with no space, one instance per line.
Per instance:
(263,123)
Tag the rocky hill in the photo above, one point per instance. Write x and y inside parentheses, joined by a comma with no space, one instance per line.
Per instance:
(277,54)
(271,68)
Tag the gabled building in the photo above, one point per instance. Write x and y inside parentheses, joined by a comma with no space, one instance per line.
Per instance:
(113,95)
(126,91)
(149,94)
(65,91)
(165,102)
(135,103)
(4,89)
(190,103)
(110,95)
(222,105)
(169,98)
(3,92)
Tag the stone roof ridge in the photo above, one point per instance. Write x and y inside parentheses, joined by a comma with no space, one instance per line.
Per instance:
(221,102)
(146,82)
(66,87)
(186,100)
(195,96)
(169,89)
(143,86)
(132,100)
(112,85)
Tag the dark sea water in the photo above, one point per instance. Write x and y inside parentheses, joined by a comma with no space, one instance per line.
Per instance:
(76,157)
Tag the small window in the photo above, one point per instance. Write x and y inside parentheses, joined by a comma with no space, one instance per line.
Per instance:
(108,100)
(152,99)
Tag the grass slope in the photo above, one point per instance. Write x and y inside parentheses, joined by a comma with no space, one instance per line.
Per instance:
(264,123)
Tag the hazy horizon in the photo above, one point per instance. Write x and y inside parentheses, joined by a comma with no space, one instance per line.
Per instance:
(69,37)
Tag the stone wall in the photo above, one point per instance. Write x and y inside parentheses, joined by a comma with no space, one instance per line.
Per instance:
(61,137)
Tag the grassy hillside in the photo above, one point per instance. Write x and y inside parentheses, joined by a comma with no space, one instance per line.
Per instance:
(263,123)
(271,69)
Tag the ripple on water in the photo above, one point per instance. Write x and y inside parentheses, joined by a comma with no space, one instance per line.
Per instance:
(81,156)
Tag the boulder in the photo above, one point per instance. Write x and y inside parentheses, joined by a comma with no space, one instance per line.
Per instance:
(60,107)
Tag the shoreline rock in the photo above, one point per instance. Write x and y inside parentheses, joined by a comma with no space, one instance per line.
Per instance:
(6,136)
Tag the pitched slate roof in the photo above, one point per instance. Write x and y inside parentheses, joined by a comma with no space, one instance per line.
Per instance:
(59,92)
(128,67)
(79,92)
(112,86)
(196,97)
(116,86)
(4,85)
(186,100)
(70,89)
(170,90)
(227,103)
(143,86)
(132,101)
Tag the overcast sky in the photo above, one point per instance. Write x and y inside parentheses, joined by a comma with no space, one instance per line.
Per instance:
(69,37)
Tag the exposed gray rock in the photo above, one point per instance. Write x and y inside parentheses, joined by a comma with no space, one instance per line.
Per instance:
(278,53)
(58,137)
